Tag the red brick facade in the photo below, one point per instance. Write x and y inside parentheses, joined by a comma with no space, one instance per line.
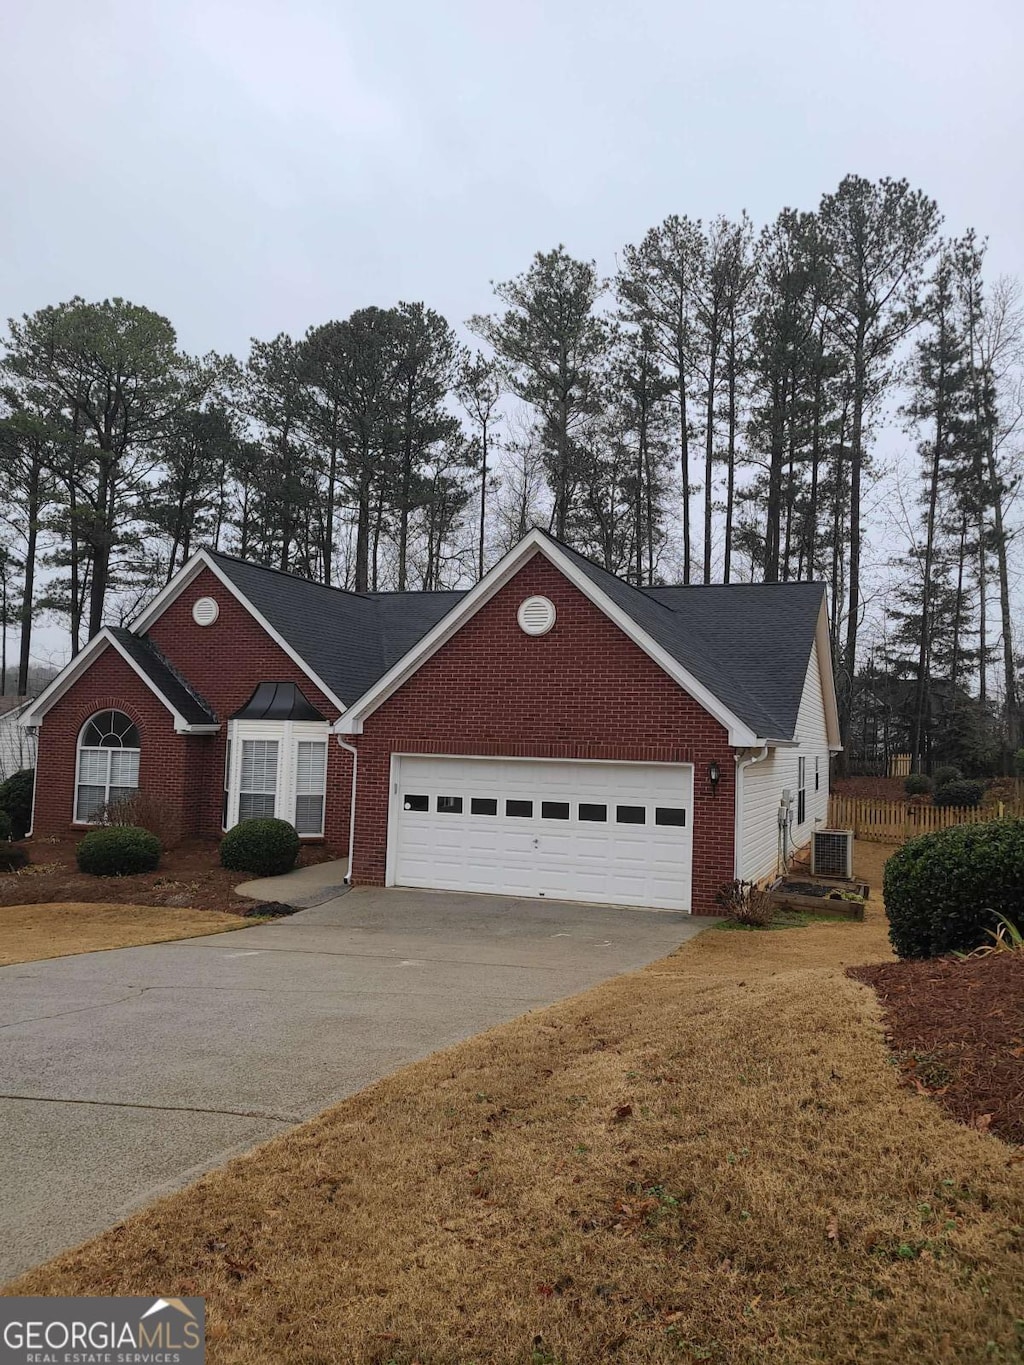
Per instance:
(584,690)
(223,662)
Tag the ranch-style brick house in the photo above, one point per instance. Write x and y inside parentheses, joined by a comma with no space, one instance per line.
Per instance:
(554,731)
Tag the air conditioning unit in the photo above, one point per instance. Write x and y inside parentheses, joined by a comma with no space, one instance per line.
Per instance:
(832,853)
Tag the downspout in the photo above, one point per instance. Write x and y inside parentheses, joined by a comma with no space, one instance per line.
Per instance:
(352,808)
(741,764)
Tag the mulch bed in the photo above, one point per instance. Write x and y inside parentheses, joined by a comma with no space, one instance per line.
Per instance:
(189,875)
(957,1031)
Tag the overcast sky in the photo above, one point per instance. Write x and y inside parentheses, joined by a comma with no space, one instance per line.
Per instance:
(248,168)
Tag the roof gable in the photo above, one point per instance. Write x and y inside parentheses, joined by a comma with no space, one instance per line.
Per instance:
(191,714)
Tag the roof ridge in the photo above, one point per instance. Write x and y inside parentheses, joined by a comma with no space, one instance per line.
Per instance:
(286,573)
(594,565)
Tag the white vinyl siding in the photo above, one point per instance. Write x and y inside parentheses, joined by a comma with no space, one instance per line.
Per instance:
(611,833)
(763,784)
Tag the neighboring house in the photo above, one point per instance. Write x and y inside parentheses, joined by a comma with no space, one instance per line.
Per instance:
(17,745)
(553,732)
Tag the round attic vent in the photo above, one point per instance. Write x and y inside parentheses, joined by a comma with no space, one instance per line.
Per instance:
(536,615)
(205,611)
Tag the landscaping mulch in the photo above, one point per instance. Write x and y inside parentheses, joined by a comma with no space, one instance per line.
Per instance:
(189,875)
(957,1031)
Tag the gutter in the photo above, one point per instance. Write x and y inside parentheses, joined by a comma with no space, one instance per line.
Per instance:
(352,808)
(742,763)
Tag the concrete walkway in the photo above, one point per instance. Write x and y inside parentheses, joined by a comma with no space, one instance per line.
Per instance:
(304,886)
(125,1074)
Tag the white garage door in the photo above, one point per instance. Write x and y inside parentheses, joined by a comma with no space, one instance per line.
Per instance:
(616,833)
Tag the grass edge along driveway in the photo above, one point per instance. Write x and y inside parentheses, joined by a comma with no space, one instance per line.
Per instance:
(710,1159)
(32,933)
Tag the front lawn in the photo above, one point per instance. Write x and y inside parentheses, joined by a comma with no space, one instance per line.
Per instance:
(29,933)
(711,1159)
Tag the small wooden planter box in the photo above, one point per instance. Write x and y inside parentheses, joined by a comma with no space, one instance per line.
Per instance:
(832,908)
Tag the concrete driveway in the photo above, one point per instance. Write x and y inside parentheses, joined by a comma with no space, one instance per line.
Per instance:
(125,1074)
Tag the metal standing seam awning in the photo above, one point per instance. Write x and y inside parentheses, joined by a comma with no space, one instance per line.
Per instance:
(278,701)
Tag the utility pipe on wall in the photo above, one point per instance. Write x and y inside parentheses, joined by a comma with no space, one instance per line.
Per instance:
(352,808)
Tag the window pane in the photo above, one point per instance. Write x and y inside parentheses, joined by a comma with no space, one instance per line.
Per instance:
(93,767)
(124,768)
(416,803)
(90,800)
(111,730)
(592,811)
(310,767)
(630,815)
(449,805)
(254,806)
(554,810)
(259,765)
(669,815)
(519,808)
(483,805)
(309,814)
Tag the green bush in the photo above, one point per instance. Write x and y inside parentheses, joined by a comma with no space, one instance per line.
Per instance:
(944,891)
(917,784)
(118,851)
(964,793)
(5,826)
(266,848)
(946,773)
(16,800)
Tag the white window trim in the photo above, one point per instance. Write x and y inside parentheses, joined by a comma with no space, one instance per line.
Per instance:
(289,734)
(89,824)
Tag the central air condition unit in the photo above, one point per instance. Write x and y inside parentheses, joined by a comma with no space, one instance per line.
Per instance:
(832,853)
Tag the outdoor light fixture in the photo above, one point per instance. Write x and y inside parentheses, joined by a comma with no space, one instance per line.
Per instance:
(713,775)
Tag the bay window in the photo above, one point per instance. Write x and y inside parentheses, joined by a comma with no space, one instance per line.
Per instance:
(276,768)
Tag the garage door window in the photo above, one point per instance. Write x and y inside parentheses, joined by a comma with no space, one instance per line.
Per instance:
(670,815)
(416,802)
(521,809)
(630,815)
(483,805)
(554,810)
(449,805)
(591,810)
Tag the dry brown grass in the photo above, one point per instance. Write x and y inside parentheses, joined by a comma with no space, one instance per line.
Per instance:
(29,933)
(708,1160)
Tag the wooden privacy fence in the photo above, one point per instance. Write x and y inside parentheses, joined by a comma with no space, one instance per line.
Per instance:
(891,822)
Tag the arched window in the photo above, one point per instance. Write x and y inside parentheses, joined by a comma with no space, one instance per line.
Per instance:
(108,763)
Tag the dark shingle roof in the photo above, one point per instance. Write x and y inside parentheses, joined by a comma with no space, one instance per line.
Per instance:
(348,639)
(728,637)
(748,643)
(165,678)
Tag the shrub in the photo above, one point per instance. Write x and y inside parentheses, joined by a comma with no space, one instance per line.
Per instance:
(917,784)
(1018,762)
(266,848)
(746,903)
(16,800)
(946,773)
(118,851)
(5,827)
(945,891)
(965,793)
(145,812)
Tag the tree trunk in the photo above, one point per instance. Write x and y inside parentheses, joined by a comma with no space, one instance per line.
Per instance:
(28,598)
